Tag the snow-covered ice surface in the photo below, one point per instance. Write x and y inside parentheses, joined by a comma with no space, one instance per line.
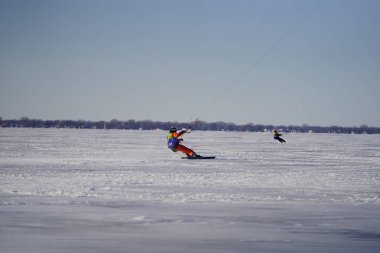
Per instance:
(65,190)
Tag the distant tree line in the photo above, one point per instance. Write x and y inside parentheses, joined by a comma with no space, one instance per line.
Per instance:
(197,125)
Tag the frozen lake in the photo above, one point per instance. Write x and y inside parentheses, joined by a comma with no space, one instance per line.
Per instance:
(69,190)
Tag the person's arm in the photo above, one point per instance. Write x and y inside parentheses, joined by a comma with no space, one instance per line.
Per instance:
(176,135)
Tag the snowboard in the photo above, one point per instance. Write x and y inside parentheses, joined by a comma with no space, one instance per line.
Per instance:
(198,158)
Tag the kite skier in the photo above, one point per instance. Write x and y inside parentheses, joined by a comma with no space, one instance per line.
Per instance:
(174,143)
(277,135)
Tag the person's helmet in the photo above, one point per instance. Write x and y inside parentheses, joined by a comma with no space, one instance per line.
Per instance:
(173,130)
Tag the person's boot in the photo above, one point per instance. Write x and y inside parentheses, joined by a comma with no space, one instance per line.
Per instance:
(193,155)
(196,155)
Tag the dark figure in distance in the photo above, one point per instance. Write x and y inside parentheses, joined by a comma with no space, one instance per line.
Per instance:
(276,136)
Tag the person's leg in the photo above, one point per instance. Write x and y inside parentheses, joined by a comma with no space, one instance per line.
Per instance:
(185,150)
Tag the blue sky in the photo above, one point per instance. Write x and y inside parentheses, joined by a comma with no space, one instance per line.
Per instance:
(277,62)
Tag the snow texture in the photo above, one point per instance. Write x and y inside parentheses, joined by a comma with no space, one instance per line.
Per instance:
(70,190)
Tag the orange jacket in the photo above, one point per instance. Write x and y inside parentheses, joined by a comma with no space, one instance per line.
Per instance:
(173,140)
(177,135)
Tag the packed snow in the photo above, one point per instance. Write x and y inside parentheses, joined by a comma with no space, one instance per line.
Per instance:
(75,190)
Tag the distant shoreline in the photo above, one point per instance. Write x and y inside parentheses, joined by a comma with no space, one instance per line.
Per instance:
(196,125)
